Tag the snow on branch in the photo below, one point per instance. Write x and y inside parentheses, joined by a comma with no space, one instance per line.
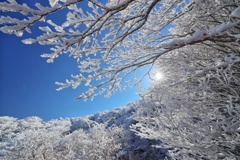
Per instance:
(201,35)
(17,26)
(112,40)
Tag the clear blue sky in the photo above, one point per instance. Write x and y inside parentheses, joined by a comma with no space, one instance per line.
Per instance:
(27,84)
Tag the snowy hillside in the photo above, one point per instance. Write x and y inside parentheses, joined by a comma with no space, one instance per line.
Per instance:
(104,135)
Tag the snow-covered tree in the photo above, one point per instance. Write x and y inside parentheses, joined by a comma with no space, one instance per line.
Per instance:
(194,108)
(111,40)
(98,142)
(34,144)
(90,137)
(8,130)
(31,138)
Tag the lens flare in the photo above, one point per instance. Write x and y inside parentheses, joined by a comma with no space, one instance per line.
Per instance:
(158,76)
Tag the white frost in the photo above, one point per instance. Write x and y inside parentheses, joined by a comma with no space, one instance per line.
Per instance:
(53,2)
(19,33)
(28,41)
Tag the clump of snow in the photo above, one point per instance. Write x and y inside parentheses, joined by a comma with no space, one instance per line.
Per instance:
(53,2)
(28,41)
(200,35)
(19,33)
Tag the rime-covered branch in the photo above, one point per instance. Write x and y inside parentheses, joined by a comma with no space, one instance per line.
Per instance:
(112,40)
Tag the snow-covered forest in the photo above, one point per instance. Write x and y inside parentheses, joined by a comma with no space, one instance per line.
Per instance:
(103,136)
(191,112)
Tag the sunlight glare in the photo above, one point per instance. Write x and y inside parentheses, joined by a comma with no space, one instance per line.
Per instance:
(158,76)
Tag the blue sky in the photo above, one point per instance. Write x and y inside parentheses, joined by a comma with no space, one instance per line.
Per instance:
(27,84)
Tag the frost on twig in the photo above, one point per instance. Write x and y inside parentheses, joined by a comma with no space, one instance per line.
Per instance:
(194,110)
(112,41)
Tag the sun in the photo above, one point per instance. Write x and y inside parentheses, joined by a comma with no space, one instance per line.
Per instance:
(158,76)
